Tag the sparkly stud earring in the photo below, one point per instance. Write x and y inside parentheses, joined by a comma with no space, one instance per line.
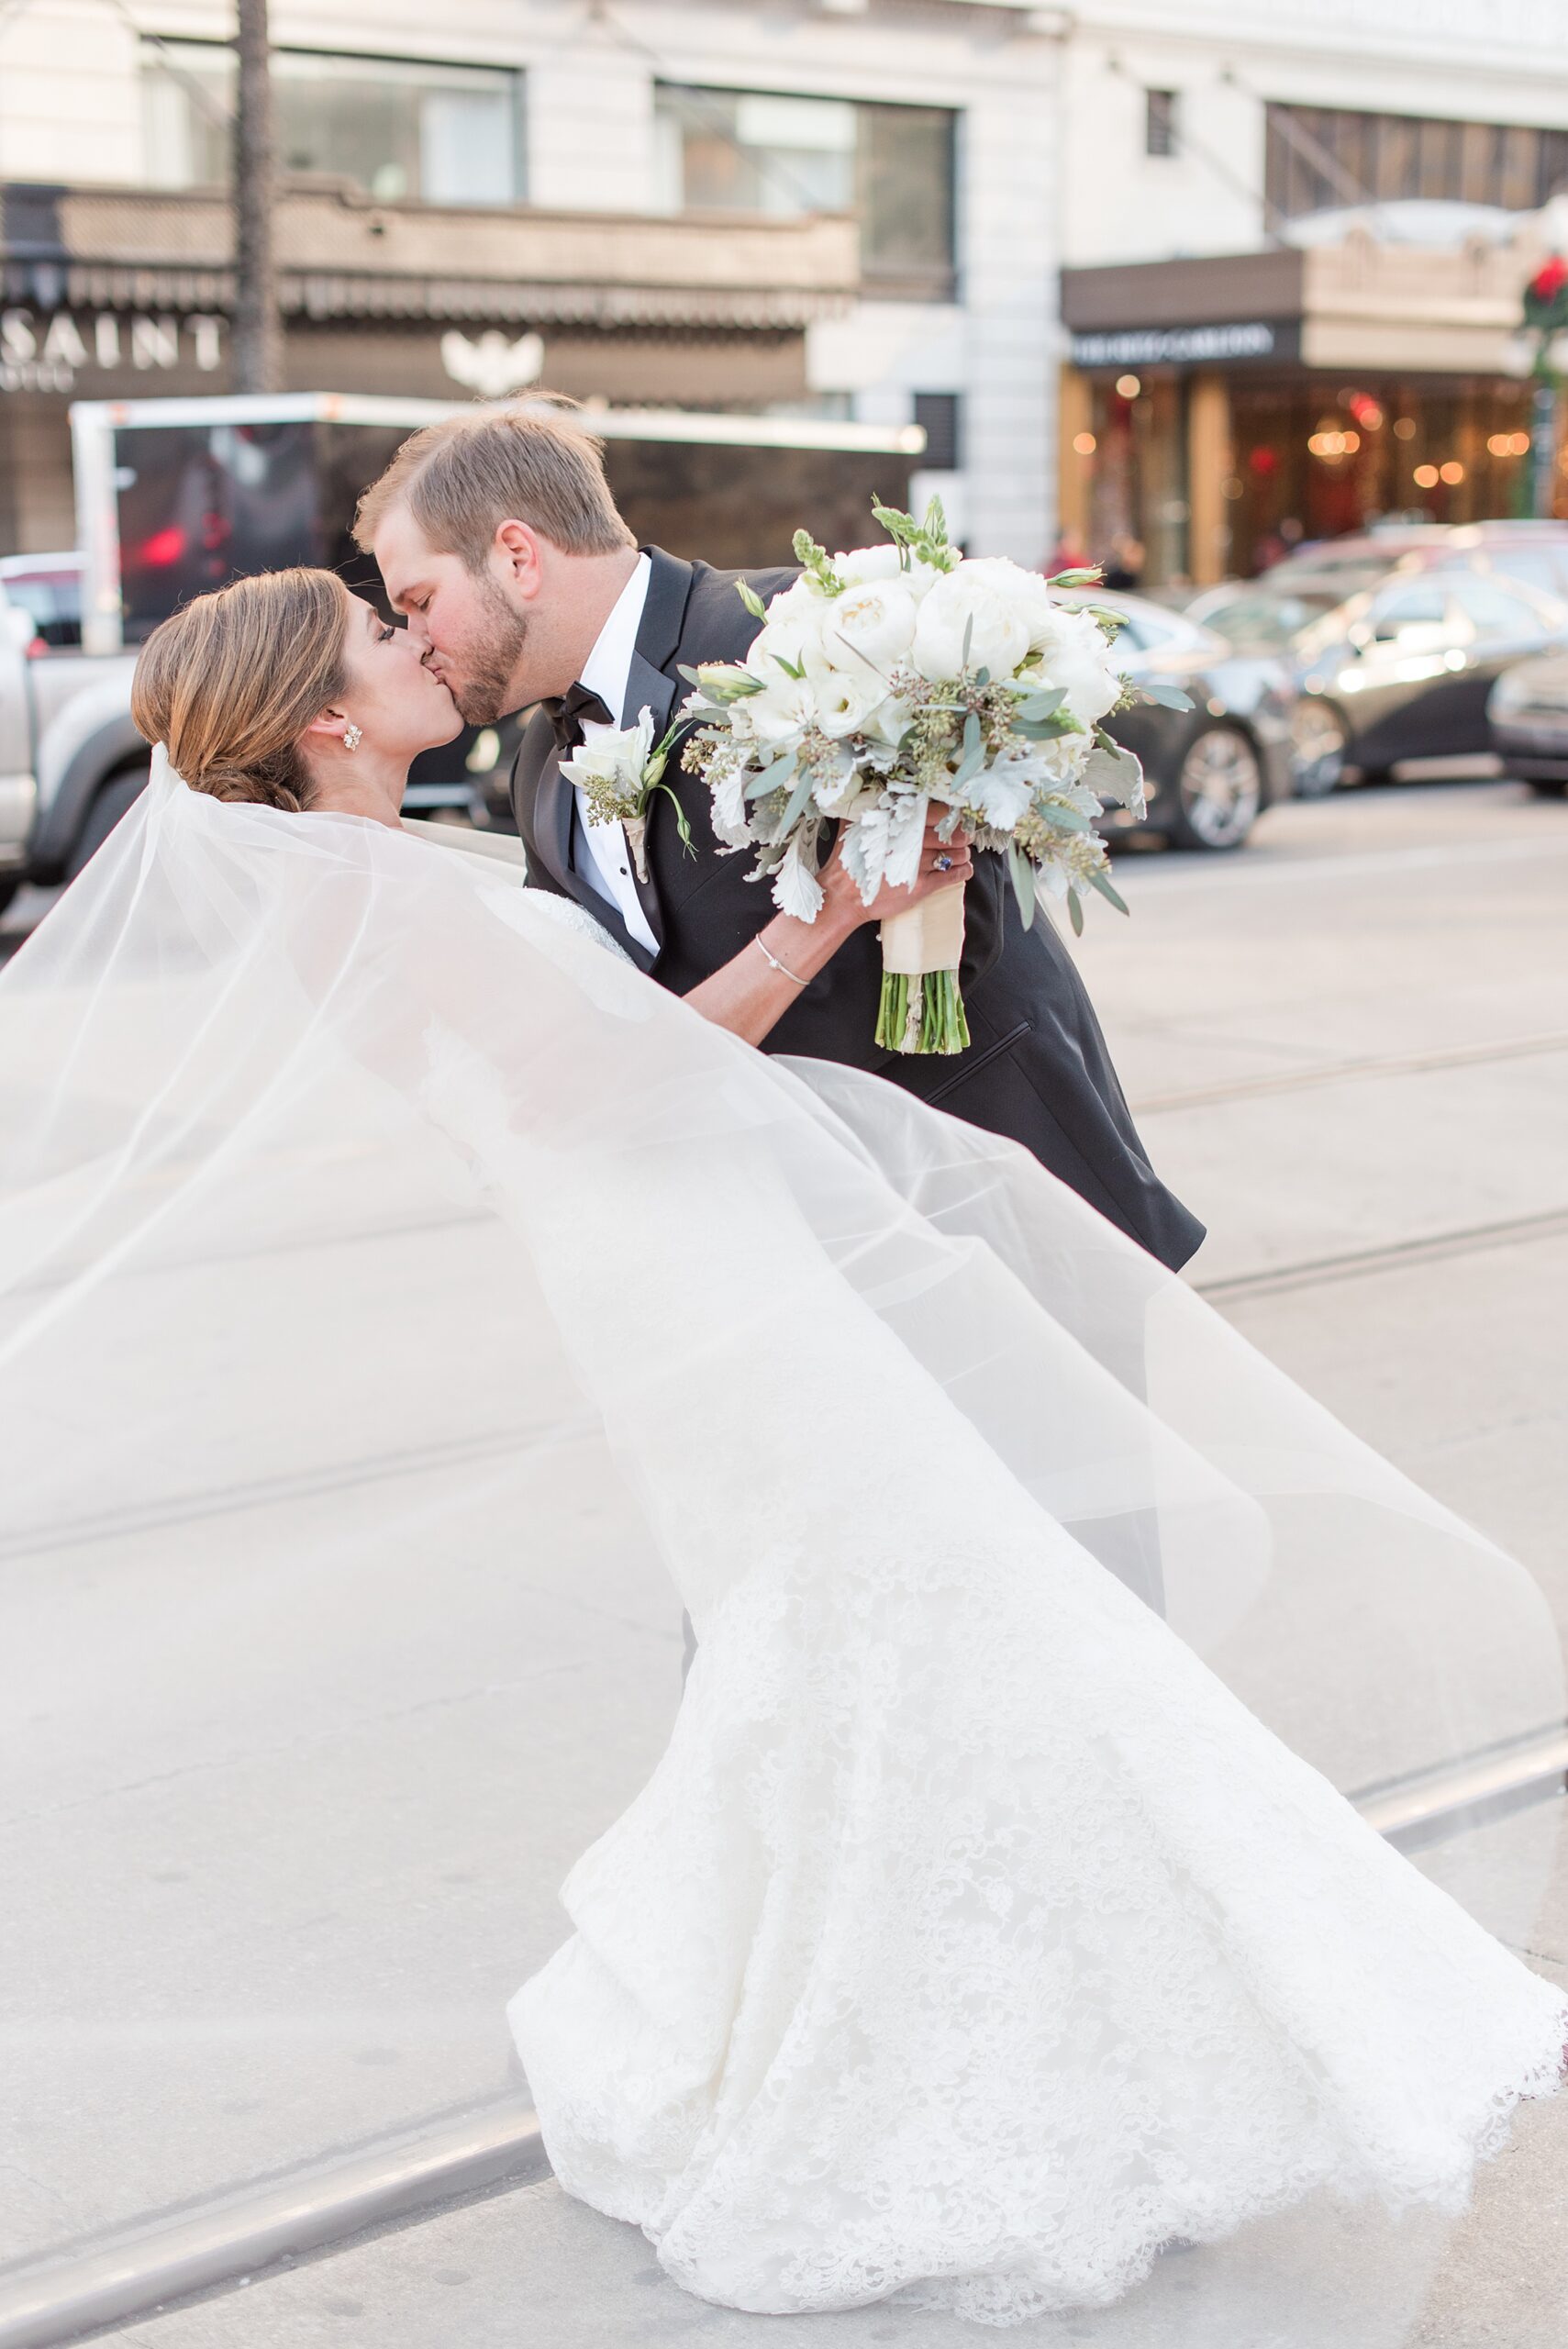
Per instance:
(352,737)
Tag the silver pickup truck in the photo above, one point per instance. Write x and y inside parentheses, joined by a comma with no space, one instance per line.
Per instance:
(71,761)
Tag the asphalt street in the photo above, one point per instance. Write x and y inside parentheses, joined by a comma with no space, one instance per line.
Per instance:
(1346,1049)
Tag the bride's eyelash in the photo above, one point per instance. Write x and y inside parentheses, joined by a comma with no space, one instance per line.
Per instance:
(385,635)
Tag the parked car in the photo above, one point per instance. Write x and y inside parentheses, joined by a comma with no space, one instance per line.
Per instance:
(49,588)
(1211,769)
(1529,714)
(1399,671)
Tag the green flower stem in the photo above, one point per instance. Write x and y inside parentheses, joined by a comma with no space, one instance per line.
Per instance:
(921,1015)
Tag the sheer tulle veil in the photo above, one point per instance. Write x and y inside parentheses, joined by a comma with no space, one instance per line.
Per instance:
(405,1308)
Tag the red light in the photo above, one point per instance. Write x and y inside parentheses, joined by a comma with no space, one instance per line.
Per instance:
(162,548)
(1263,460)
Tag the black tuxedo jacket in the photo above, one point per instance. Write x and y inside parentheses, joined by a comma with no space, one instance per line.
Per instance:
(1037,1068)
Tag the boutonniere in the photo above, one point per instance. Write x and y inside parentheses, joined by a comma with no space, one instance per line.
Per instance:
(618,769)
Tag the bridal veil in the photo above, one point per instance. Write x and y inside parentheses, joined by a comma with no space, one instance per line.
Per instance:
(405,1308)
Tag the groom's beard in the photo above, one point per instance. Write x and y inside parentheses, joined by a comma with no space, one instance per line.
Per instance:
(485,692)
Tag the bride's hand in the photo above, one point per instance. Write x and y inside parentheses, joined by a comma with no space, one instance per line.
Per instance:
(944,865)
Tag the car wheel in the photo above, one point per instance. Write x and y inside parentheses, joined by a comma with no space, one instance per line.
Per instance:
(1318,743)
(117,795)
(1218,790)
(1549,786)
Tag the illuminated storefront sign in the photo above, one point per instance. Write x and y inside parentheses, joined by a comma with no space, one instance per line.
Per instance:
(47,350)
(1194,345)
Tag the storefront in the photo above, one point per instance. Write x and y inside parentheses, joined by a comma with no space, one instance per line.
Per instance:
(108,294)
(1214,412)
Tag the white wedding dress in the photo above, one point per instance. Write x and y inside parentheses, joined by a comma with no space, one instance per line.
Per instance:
(974,1939)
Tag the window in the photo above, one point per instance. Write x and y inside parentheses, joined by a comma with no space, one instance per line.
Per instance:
(1496,613)
(732,151)
(1405,607)
(1159,122)
(1320,158)
(433,134)
(1536,566)
(938,415)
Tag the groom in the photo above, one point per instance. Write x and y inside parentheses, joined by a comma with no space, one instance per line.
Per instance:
(497,536)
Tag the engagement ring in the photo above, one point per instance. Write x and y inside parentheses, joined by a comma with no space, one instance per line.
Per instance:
(943,865)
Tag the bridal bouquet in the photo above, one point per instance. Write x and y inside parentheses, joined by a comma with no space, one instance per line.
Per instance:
(902,678)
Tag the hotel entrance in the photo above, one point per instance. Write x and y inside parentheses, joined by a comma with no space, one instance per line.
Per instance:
(1363,383)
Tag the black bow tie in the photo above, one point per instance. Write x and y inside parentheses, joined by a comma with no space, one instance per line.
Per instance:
(567,715)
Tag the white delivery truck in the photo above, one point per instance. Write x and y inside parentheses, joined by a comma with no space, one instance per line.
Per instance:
(175,496)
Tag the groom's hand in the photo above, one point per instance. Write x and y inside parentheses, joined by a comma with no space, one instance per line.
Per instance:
(944,865)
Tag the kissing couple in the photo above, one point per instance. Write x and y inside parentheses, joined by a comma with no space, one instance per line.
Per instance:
(993,1925)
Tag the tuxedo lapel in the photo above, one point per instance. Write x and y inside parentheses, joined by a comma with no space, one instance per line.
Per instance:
(554,808)
(650,687)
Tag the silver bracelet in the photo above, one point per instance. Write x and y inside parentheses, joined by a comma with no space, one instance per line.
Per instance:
(778,966)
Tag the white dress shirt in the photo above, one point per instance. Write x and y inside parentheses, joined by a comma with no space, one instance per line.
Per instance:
(607,671)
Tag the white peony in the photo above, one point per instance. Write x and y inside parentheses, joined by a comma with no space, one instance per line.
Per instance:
(1071,654)
(870,624)
(868,562)
(982,610)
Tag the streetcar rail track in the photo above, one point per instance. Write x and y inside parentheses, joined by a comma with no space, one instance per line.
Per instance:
(1355,1263)
(498,2146)
(1241,1088)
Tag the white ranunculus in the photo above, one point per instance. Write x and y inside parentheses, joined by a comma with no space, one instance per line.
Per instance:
(874,624)
(961,606)
(1072,654)
(844,698)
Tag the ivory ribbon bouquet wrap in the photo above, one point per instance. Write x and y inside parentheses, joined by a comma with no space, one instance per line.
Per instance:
(904,678)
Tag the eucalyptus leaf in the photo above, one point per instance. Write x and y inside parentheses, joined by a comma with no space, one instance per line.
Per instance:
(1065,819)
(1075,913)
(800,800)
(1102,882)
(1168,696)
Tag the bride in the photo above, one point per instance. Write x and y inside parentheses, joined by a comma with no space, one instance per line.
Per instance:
(979,1936)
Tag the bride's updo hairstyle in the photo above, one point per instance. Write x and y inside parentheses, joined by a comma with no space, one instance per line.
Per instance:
(229,684)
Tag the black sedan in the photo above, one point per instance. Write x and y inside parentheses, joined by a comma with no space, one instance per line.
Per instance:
(1399,672)
(1529,710)
(1210,769)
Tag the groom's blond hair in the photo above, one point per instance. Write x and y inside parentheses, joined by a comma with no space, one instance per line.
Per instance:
(530,462)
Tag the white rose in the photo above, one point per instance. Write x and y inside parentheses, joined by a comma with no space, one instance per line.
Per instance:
(888,722)
(872,624)
(1073,655)
(958,607)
